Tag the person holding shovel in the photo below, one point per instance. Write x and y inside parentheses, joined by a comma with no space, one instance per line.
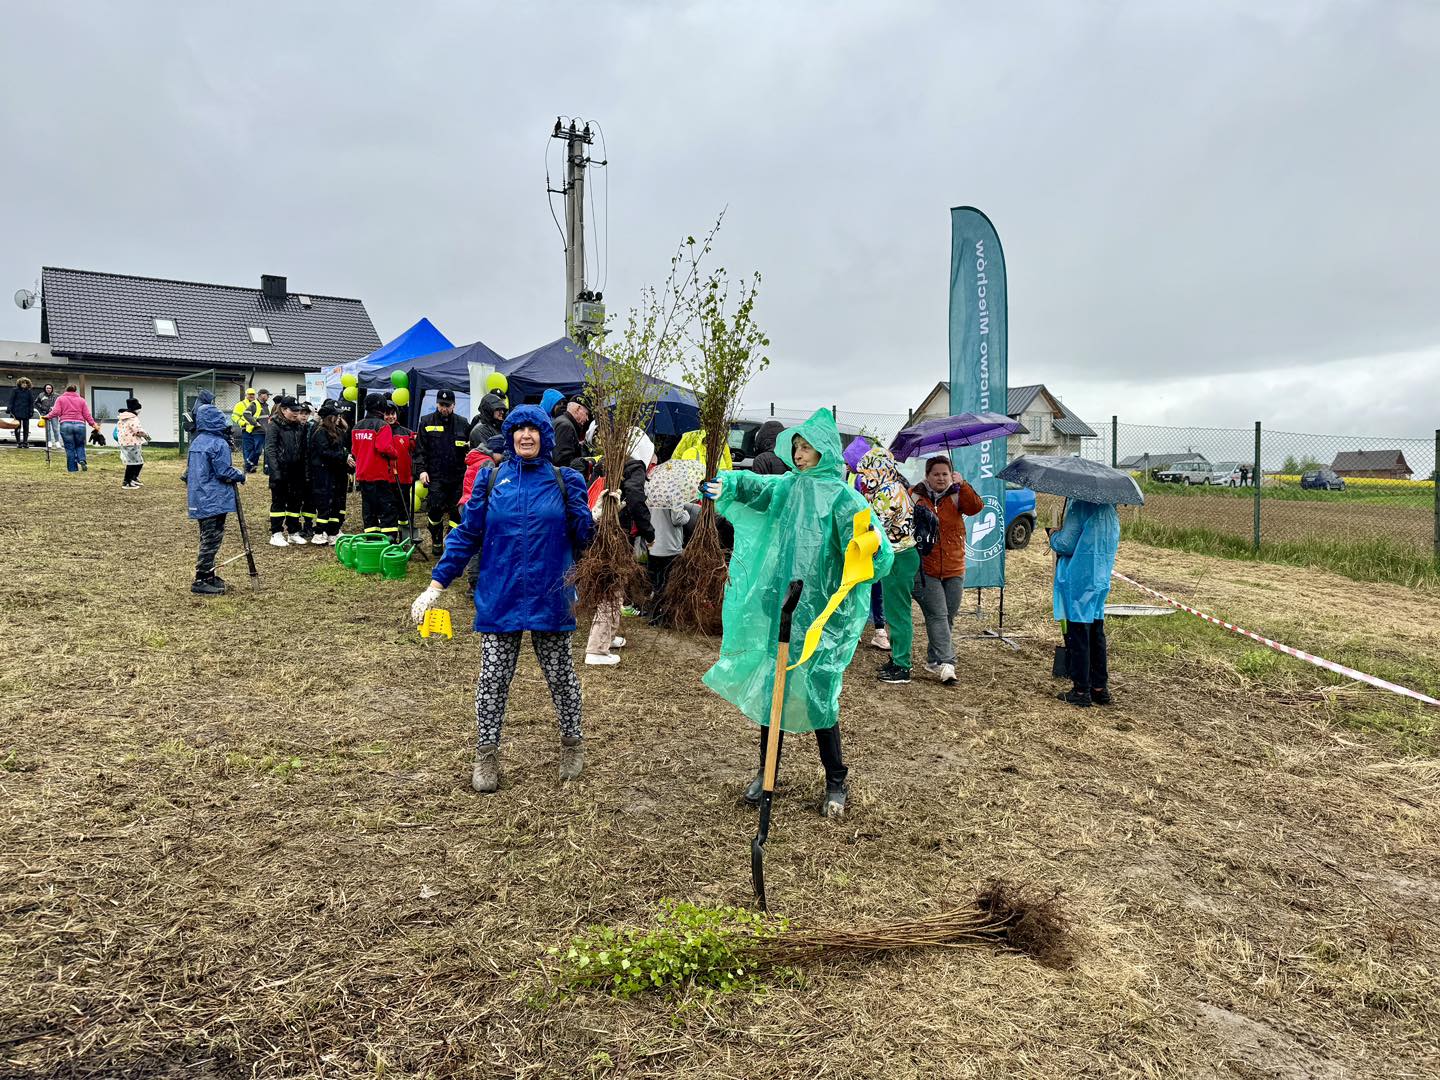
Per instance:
(210,483)
(796,525)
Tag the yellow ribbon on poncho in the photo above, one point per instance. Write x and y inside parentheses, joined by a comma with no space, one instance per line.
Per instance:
(859,568)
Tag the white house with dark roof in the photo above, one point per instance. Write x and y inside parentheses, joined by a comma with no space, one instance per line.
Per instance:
(1053,429)
(119,336)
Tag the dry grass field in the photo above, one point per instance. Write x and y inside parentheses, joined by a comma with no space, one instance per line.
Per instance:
(237,837)
(1295,519)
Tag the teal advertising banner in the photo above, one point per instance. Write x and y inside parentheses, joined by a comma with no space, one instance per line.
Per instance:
(979,382)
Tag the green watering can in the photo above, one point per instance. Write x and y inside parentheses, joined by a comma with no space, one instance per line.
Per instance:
(343,545)
(395,560)
(365,552)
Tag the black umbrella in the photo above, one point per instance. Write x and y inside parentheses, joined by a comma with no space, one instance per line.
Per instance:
(1073,478)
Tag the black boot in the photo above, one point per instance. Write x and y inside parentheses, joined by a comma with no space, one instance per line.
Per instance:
(1100,696)
(833,805)
(1079,698)
(207,586)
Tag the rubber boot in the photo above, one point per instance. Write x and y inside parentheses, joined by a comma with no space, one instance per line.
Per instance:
(833,805)
(572,757)
(485,774)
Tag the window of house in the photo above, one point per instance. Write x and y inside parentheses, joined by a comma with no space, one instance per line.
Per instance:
(107,401)
(259,336)
(166,328)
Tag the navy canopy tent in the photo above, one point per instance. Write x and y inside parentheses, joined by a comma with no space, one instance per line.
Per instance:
(448,369)
(561,365)
(420,339)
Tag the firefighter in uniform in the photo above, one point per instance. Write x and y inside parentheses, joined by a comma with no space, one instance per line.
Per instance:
(440,448)
(372,444)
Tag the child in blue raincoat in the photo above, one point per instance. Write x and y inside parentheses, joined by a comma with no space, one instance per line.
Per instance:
(1086,546)
(210,479)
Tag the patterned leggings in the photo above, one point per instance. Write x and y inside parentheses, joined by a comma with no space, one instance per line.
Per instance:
(499,655)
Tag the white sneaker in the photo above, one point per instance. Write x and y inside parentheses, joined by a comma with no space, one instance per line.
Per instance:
(946,673)
(618,643)
(933,669)
(319,538)
(298,540)
(605,660)
(881,640)
(278,540)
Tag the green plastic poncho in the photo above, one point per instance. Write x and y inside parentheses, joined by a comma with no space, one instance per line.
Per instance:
(795,525)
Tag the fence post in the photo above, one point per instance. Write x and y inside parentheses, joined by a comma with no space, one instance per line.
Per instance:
(772,408)
(1255,476)
(835,413)
(1114,439)
(1435,475)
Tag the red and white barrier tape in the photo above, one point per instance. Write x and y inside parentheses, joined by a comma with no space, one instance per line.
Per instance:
(1298,654)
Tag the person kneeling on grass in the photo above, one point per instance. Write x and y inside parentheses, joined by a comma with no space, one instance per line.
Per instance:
(528,519)
(1086,546)
(788,526)
(210,479)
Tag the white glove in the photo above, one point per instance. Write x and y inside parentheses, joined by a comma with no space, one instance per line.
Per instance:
(424,602)
(597,510)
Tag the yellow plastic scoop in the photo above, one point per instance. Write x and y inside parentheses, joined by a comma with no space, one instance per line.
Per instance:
(859,567)
(436,621)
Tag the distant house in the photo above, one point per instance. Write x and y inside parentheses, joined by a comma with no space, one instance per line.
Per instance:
(1371,464)
(118,336)
(1053,429)
(1163,461)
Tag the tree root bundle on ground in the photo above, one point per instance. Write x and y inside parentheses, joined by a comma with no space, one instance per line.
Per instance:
(726,948)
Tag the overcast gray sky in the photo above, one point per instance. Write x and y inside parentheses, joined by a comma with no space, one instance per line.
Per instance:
(1212,212)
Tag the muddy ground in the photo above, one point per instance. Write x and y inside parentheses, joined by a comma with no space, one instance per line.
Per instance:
(237,839)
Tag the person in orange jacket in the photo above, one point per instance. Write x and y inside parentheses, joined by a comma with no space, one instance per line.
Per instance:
(942,572)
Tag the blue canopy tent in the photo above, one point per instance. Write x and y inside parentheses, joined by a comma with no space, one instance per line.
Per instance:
(420,339)
(448,369)
(561,365)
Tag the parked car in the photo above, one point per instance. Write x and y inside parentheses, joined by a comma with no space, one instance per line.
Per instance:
(1322,480)
(1019,516)
(1225,474)
(1187,473)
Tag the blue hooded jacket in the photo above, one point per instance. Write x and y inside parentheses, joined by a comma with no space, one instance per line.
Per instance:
(527,528)
(1086,544)
(211,479)
(550,399)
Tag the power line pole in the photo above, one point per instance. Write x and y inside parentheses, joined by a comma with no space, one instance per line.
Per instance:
(583,310)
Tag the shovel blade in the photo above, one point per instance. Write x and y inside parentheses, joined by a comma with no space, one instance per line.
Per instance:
(757,870)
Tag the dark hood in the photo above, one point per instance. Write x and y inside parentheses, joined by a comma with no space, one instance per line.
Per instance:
(765,436)
(488,404)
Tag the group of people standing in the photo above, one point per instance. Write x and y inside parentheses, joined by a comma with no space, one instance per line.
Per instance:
(68,421)
(513,483)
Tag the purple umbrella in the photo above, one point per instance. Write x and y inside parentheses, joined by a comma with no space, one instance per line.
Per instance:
(858,448)
(948,432)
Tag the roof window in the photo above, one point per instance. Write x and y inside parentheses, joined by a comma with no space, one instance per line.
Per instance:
(166,328)
(259,336)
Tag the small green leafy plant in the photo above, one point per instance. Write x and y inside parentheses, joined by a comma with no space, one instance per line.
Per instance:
(713,948)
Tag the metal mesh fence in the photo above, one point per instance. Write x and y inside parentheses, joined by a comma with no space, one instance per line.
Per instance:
(1324,496)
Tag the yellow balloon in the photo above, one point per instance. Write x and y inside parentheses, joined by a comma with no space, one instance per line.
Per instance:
(497,383)
(351,393)
(349,380)
(400,396)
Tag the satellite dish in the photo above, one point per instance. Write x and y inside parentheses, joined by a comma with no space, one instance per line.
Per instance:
(24,299)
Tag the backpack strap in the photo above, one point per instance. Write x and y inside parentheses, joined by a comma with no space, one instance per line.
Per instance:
(490,480)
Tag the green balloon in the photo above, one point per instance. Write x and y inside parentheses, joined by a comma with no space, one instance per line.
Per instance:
(398,378)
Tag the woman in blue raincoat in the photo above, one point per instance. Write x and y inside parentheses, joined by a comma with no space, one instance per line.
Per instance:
(793,525)
(1086,546)
(528,518)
